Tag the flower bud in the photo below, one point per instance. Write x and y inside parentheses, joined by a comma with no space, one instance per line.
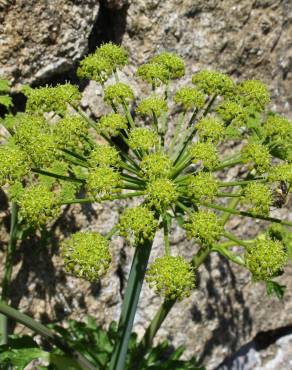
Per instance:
(190,98)
(104,155)
(153,73)
(202,186)
(161,194)
(116,55)
(257,155)
(143,138)
(213,83)
(13,164)
(258,198)
(151,105)
(118,94)
(205,153)
(101,182)
(210,129)
(172,62)
(112,124)
(171,277)
(156,165)
(69,129)
(86,255)
(94,67)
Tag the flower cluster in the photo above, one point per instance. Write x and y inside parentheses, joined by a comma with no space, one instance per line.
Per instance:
(86,255)
(175,177)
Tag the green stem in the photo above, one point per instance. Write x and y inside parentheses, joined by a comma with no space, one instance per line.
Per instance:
(228,254)
(129,306)
(47,333)
(8,270)
(114,197)
(235,239)
(179,125)
(228,164)
(128,115)
(56,176)
(246,214)
(166,235)
(241,182)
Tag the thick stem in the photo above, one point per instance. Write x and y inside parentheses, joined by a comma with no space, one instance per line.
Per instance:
(129,306)
(8,271)
(47,333)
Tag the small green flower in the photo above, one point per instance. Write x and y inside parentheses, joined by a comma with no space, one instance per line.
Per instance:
(118,94)
(172,62)
(101,182)
(171,277)
(202,186)
(116,55)
(69,129)
(112,124)
(211,129)
(228,110)
(34,136)
(279,127)
(213,83)
(266,258)
(151,105)
(253,93)
(156,165)
(258,198)
(13,164)
(86,255)
(161,193)
(137,225)
(257,155)
(204,226)
(281,172)
(51,99)
(143,138)
(104,155)
(94,67)
(190,98)
(38,205)
(205,153)
(153,73)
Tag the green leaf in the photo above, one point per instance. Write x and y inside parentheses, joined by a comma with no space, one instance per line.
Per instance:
(6,101)
(4,86)
(19,358)
(275,288)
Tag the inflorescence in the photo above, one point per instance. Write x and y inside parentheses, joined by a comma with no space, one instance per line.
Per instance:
(52,156)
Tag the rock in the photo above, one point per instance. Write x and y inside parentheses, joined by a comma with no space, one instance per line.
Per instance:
(40,39)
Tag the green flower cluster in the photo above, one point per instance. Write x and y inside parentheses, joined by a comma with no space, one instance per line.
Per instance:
(266,259)
(281,172)
(213,83)
(38,205)
(51,99)
(143,138)
(253,93)
(152,105)
(100,65)
(258,198)
(111,124)
(14,164)
(279,127)
(118,94)
(153,73)
(104,155)
(137,225)
(161,194)
(172,62)
(206,153)
(204,226)
(202,186)
(190,98)
(257,155)
(86,255)
(102,182)
(69,130)
(171,277)
(210,129)
(156,165)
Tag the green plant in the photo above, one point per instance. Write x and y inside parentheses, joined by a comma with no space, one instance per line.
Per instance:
(176,176)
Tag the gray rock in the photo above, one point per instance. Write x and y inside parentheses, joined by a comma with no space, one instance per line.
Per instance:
(40,39)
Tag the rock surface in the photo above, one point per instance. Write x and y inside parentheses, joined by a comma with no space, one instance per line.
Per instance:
(248,39)
(39,39)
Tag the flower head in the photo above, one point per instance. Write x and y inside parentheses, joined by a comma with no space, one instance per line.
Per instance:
(101,182)
(253,93)
(258,198)
(202,186)
(137,225)
(51,99)
(69,129)
(161,193)
(228,110)
(156,165)
(118,94)
(281,172)
(143,138)
(38,205)
(151,105)
(86,255)
(213,83)
(204,226)
(205,153)
(94,67)
(211,129)
(172,62)
(116,55)
(104,155)
(14,164)
(171,277)
(153,73)
(266,258)
(190,98)
(257,155)
(279,127)
(112,124)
